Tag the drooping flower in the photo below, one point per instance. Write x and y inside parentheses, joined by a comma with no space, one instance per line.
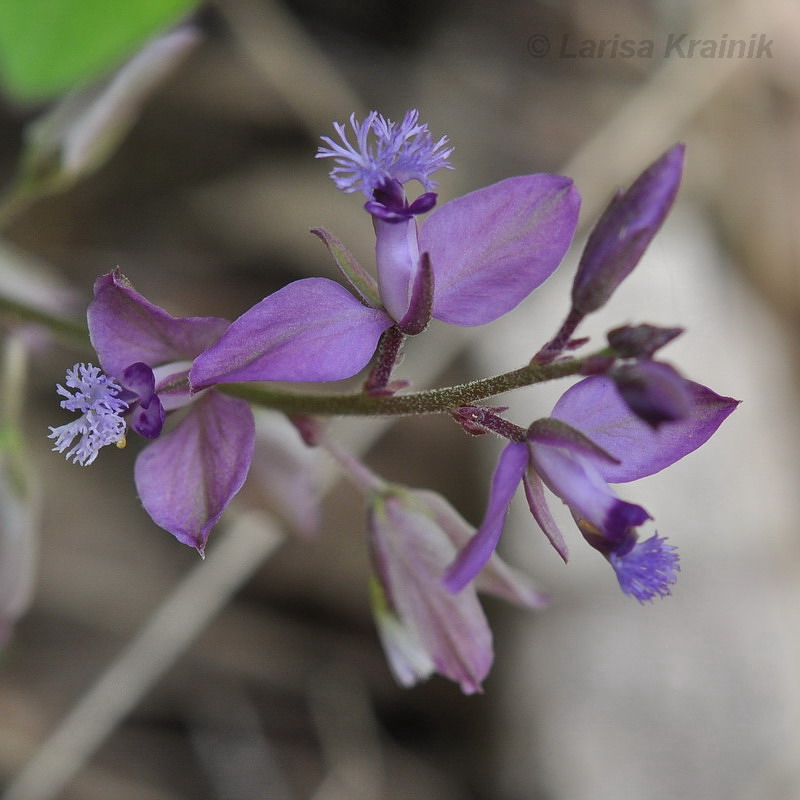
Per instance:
(424,628)
(592,439)
(187,476)
(283,476)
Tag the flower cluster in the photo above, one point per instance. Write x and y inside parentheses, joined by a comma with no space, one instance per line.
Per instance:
(469,262)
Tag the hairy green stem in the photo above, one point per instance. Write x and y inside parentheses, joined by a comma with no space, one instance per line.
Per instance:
(432,401)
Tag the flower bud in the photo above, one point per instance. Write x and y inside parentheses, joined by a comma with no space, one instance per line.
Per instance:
(624,231)
(654,391)
(641,341)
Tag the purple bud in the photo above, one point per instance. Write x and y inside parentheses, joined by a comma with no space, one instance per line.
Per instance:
(654,391)
(624,231)
(641,341)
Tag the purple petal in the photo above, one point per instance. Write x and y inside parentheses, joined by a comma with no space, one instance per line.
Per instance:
(557,433)
(397,262)
(579,484)
(311,330)
(595,408)
(496,578)
(283,475)
(507,475)
(139,379)
(418,316)
(537,502)
(187,477)
(490,249)
(148,421)
(124,328)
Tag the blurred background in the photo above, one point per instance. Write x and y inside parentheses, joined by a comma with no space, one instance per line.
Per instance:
(280,689)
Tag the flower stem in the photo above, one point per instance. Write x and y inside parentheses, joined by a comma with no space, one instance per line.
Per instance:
(363,478)
(432,401)
(388,353)
(556,345)
(58,325)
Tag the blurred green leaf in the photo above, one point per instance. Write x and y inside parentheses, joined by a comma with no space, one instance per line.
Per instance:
(48,46)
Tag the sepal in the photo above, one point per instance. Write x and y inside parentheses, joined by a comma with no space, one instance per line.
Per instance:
(594,407)
(491,248)
(311,330)
(365,285)
(187,477)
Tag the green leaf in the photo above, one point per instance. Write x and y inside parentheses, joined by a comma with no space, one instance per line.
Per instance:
(49,46)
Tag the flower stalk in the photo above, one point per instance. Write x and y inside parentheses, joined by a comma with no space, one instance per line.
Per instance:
(431,401)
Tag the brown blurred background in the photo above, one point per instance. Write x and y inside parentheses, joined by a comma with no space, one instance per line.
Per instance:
(285,695)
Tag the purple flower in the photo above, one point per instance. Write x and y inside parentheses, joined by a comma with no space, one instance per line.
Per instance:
(107,407)
(423,627)
(592,439)
(187,476)
(489,249)
(472,261)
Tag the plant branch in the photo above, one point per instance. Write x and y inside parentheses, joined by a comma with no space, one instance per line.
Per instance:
(432,401)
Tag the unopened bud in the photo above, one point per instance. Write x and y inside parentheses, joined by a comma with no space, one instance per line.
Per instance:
(624,231)
(641,341)
(654,391)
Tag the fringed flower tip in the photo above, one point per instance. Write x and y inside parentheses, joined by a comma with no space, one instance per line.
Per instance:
(384,151)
